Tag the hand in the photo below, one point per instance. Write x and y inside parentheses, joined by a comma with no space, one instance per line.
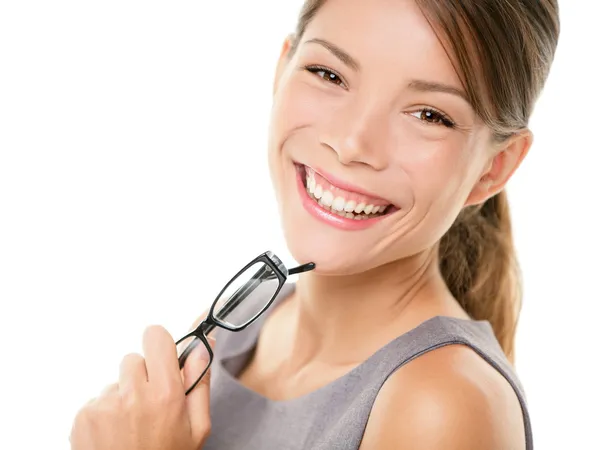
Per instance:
(147,409)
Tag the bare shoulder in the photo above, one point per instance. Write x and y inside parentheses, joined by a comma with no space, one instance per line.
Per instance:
(450,399)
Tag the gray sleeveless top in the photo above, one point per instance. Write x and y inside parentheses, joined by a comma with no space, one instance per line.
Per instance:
(334,416)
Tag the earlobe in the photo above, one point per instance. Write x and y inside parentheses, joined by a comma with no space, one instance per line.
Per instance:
(505,162)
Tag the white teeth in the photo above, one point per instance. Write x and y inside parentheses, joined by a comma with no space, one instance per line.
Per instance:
(339,203)
(349,209)
(318,191)
(327,198)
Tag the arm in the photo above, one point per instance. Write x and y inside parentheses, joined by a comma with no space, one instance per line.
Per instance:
(448,399)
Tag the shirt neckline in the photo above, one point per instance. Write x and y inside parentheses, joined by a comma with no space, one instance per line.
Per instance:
(239,357)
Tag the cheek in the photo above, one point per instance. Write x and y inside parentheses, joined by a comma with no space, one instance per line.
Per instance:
(293,109)
(437,170)
(297,109)
(438,175)
(298,104)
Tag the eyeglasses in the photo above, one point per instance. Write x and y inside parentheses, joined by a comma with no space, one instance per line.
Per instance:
(257,286)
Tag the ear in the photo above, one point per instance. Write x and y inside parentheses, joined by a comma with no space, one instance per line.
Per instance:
(283,60)
(503,164)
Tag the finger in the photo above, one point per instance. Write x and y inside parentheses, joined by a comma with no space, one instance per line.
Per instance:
(196,361)
(162,364)
(198,400)
(132,373)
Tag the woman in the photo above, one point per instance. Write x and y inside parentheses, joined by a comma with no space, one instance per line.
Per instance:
(396,125)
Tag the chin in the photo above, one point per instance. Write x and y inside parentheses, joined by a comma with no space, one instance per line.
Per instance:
(334,252)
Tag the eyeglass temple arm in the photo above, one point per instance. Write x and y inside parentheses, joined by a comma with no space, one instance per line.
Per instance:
(296,270)
(303,268)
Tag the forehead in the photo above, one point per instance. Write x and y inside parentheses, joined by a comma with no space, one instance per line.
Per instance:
(390,38)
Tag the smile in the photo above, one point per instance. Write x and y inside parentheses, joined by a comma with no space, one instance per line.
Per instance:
(339,207)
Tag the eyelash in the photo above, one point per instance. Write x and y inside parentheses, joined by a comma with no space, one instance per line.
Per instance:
(316,69)
(439,117)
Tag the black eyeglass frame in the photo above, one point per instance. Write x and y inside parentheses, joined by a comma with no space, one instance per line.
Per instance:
(211,322)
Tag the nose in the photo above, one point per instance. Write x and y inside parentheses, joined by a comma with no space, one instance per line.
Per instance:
(359,133)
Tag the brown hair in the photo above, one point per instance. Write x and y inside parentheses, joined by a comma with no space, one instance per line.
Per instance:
(502,50)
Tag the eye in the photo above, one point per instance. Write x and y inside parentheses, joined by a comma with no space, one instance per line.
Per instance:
(433,117)
(326,74)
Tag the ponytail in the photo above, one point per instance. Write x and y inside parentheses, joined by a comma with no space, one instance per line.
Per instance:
(479,265)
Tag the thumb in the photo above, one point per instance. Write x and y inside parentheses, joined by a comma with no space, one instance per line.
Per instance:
(198,400)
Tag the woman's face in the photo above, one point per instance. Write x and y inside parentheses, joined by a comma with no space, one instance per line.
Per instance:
(369,116)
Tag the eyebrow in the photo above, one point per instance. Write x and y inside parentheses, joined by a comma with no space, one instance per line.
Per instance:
(415,85)
(432,86)
(337,52)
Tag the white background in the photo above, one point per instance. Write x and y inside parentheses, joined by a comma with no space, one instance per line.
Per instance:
(133,182)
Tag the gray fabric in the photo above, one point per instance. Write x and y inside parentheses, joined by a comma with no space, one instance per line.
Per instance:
(334,416)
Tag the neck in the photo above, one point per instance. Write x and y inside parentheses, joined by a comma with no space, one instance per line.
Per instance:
(342,320)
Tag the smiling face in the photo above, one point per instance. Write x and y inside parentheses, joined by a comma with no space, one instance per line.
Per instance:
(369,116)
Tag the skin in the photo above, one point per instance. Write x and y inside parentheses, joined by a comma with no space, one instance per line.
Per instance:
(366,126)
(147,408)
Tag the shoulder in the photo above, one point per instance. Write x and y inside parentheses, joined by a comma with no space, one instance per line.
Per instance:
(449,398)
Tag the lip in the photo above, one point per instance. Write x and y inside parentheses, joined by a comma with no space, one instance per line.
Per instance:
(332,219)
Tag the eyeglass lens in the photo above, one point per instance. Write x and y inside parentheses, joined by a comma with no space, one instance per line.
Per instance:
(194,360)
(256,287)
